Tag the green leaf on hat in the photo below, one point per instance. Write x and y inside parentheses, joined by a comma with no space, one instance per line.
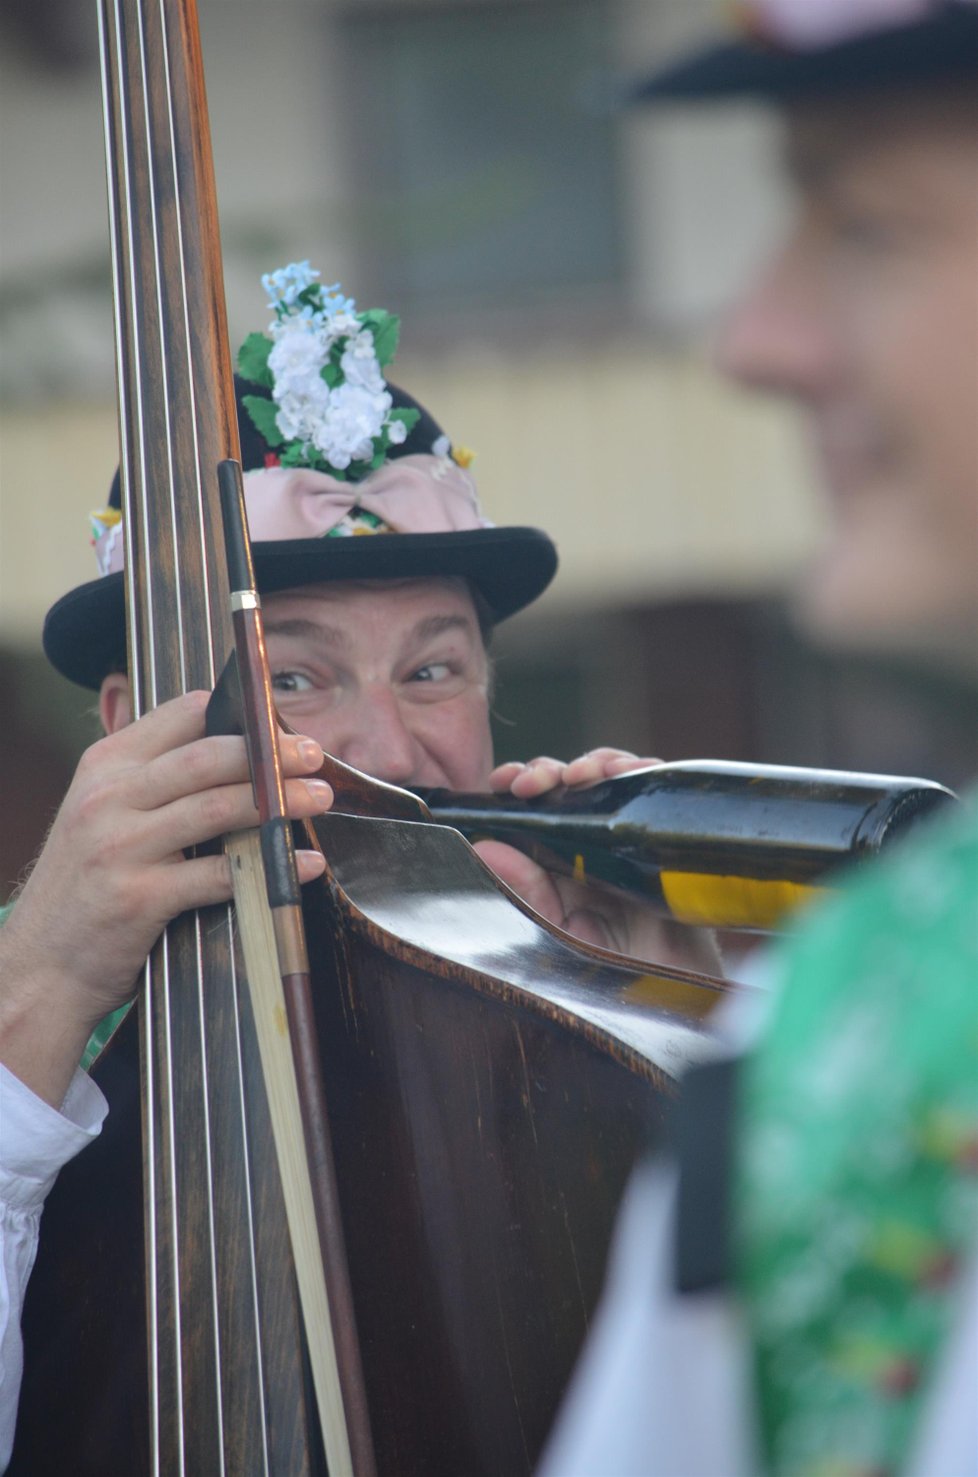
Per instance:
(386,329)
(264,418)
(380,444)
(253,360)
(407,416)
(332,371)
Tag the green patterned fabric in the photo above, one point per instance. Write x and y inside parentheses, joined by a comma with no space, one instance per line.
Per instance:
(102,1034)
(858,1179)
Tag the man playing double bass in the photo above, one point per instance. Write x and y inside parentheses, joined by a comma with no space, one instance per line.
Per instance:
(380,589)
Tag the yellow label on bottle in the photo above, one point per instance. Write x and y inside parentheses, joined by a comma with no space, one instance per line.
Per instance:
(732,902)
(580,872)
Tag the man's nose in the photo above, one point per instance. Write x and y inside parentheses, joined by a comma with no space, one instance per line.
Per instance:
(777,337)
(376,738)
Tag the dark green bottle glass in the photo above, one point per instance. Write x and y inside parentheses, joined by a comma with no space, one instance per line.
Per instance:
(706,841)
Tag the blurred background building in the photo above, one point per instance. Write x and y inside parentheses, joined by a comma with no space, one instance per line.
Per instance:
(557,264)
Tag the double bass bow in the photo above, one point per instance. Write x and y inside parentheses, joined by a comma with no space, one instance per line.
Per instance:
(488,1083)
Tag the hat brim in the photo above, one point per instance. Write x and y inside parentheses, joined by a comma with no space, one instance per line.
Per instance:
(943,45)
(85,634)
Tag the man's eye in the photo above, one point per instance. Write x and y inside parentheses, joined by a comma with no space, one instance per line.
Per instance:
(432,672)
(866,233)
(290,682)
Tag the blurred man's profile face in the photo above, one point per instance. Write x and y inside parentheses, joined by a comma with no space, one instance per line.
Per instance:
(869,319)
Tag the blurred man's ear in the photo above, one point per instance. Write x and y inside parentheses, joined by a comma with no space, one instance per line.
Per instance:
(113,702)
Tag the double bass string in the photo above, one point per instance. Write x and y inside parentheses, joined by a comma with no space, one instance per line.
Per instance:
(122,287)
(124,272)
(209,473)
(181,616)
(182,527)
(145,672)
(151,646)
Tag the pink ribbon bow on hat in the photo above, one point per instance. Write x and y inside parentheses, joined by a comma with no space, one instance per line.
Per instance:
(413,494)
(807,25)
(421,493)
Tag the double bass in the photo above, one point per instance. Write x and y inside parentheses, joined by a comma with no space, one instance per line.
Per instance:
(489,1083)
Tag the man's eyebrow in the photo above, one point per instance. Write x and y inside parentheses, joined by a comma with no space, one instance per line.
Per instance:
(318,633)
(436,625)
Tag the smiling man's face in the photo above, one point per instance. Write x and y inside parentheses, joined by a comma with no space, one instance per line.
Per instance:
(868,319)
(391,677)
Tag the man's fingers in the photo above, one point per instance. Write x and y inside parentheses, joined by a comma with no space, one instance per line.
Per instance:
(590,927)
(600,764)
(503,776)
(539,775)
(307,797)
(172,724)
(213,813)
(299,754)
(554,898)
(524,876)
(625,765)
(200,881)
(310,865)
(181,720)
(206,764)
(527,779)
(194,882)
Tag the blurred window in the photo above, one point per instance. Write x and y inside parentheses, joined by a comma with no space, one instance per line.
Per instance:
(481,158)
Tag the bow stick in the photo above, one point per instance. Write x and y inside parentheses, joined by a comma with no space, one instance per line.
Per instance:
(269,912)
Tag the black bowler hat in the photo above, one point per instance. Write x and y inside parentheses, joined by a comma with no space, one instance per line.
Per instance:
(789,50)
(348,516)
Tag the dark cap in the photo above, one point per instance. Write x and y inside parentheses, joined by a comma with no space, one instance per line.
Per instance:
(84,631)
(789,50)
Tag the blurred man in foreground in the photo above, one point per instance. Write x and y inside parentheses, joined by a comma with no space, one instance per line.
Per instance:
(840,1334)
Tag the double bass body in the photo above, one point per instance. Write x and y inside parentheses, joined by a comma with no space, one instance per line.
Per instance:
(488,1110)
(489,1086)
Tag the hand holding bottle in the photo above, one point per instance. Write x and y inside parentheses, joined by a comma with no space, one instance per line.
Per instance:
(591,914)
(537,776)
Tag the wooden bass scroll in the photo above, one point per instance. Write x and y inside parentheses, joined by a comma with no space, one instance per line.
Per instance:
(489,1082)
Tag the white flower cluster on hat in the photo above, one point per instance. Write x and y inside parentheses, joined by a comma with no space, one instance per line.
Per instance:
(317,329)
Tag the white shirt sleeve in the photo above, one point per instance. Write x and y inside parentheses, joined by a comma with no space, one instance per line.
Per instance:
(946,1441)
(663,1386)
(35,1142)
